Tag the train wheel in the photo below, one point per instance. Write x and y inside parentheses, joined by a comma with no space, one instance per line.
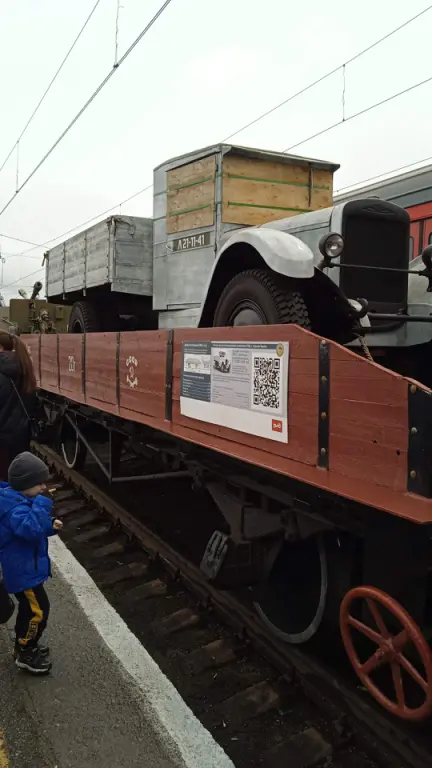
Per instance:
(292,600)
(396,649)
(73,450)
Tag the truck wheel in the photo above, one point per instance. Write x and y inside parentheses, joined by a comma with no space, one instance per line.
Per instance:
(258,297)
(83,318)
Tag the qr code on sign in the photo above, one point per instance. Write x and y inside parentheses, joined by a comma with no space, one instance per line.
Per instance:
(267,382)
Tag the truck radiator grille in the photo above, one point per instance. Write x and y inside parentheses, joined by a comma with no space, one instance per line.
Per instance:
(375,242)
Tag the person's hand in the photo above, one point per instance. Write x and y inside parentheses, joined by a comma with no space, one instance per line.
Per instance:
(57,525)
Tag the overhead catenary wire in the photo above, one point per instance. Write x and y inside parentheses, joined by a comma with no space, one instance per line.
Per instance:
(265,114)
(20,240)
(68,232)
(47,90)
(344,120)
(385,173)
(309,138)
(328,74)
(87,103)
(20,279)
(78,226)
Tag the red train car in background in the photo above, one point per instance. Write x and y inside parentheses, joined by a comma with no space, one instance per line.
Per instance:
(412,191)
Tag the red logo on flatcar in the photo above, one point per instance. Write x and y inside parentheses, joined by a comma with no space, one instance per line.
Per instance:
(276,425)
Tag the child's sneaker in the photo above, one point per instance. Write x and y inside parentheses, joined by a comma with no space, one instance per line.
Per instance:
(43,650)
(31,660)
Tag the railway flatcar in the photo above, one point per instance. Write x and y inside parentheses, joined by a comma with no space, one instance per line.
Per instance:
(318,460)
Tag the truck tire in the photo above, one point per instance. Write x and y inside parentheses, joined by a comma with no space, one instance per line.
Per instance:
(259,297)
(83,318)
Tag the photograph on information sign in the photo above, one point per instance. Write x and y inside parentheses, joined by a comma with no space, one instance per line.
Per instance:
(239,385)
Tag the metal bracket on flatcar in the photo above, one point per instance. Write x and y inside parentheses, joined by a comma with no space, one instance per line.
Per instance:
(323,404)
(169,376)
(419,441)
(227,563)
(214,555)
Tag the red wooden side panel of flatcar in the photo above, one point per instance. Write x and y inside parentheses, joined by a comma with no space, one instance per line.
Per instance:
(101,371)
(71,366)
(49,378)
(138,376)
(368,421)
(142,374)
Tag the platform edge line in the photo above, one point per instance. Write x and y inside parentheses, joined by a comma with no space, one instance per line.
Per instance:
(195,743)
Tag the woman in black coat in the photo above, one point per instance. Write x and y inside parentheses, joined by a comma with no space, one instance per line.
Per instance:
(17,396)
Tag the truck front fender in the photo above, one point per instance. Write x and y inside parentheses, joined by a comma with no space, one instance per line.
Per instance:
(280,251)
(256,248)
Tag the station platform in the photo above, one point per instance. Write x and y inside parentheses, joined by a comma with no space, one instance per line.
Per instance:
(105,704)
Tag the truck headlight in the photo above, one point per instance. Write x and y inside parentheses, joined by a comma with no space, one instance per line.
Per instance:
(331,246)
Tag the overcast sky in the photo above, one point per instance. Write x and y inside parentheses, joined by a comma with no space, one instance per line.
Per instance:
(204,70)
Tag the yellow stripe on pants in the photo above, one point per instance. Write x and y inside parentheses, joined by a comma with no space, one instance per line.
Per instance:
(4,760)
(34,621)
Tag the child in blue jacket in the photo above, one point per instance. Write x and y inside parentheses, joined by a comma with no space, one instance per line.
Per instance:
(25,524)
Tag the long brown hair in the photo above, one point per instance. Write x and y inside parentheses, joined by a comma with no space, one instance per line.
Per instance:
(26,377)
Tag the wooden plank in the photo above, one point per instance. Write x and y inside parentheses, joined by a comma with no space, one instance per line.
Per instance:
(196,196)
(191,172)
(378,434)
(250,167)
(370,414)
(356,379)
(244,193)
(100,370)
(368,421)
(49,363)
(257,191)
(253,217)
(142,366)
(191,195)
(192,220)
(367,468)
(321,198)
(71,364)
(385,391)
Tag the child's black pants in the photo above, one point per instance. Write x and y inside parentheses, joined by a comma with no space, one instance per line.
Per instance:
(32,617)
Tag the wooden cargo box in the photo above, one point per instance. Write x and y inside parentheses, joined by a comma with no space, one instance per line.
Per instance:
(256,187)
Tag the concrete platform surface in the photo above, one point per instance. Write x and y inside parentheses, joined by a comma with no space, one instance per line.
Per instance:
(105,704)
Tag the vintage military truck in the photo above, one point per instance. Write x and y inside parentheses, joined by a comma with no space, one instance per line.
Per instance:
(245,237)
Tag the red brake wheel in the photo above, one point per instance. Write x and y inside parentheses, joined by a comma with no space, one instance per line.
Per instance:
(390,650)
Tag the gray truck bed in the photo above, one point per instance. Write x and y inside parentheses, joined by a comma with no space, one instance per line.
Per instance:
(117,252)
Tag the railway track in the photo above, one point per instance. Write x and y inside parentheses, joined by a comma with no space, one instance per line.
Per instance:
(265,702)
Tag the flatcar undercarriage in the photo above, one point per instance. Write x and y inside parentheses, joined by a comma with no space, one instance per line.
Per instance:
(316,563)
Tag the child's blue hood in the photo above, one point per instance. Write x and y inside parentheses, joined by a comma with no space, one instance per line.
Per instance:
(8,498)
